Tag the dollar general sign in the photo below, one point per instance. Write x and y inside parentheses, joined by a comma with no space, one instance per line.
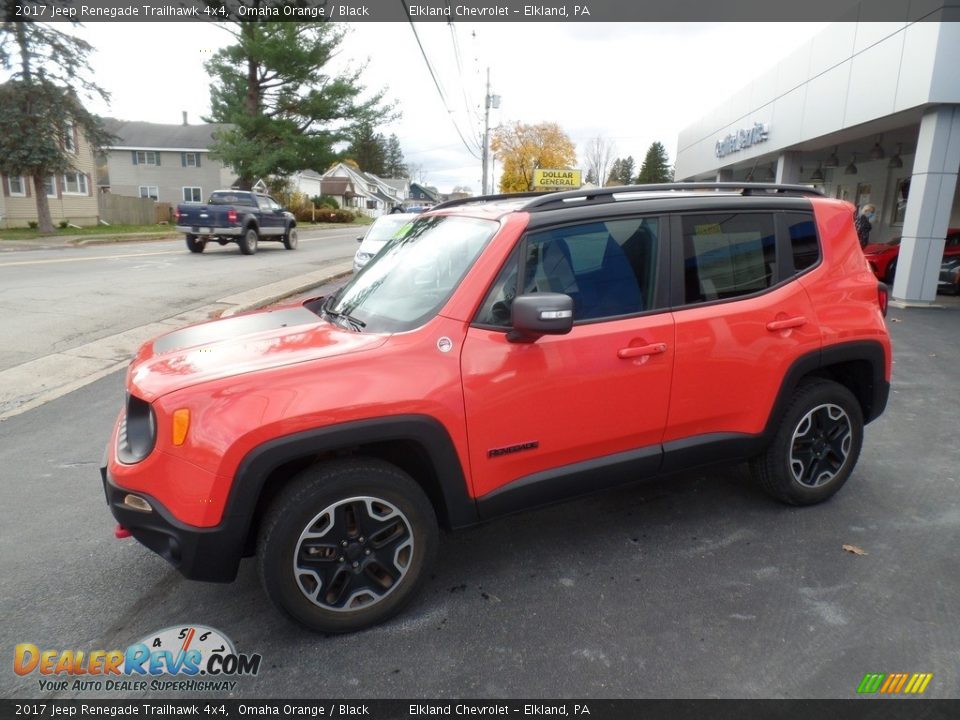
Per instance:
(561,179)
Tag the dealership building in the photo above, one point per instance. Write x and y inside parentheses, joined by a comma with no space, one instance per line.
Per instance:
(865,111)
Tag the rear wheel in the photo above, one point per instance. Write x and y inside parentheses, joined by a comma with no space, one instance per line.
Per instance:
(248,241)
(346,544)
(817,446)
(291,239)
(891,272)
(194,245)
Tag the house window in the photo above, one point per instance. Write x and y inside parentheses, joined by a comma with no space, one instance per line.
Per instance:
(145,157)
(75,184)
(18,186)
(68,142)
(190,159)
(192,194)
(150,191)
(50,185)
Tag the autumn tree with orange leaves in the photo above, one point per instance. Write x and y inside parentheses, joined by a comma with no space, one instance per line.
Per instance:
(520,149)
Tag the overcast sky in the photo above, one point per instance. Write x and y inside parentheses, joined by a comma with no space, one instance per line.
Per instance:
(631,83)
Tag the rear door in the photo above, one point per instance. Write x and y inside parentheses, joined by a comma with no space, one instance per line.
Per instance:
(741,321)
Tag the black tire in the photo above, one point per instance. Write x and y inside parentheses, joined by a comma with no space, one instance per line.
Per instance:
(816,446)
(194,245)
(291,239)
(375,538)
(248,241)
(891,272)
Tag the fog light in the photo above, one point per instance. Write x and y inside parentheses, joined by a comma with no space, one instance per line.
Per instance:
(181,424)
(137,503)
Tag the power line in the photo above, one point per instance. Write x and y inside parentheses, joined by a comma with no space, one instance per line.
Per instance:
(436,82)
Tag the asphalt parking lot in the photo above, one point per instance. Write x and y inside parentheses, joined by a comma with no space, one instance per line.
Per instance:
(694,586)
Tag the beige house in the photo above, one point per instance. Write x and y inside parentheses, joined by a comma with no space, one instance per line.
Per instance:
(72,196)
(168,163)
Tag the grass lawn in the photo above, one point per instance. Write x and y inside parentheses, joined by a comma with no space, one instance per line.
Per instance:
(117,232)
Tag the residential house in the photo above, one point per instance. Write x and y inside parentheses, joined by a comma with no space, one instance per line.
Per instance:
(169,163)
(422,195)
(71,196)
(360,191)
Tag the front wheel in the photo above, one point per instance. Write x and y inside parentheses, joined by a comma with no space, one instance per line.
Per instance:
(815,448)
(194,245)
(291,239)
(346,544)
(248,241)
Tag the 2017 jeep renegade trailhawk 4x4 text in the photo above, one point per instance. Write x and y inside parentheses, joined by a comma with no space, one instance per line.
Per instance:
(502,353)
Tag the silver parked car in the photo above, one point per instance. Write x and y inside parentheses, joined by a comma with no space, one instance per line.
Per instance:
(383,229)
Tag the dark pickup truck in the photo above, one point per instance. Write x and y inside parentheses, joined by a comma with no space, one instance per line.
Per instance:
(236,216)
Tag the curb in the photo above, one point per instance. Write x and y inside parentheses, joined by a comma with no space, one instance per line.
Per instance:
(27,386)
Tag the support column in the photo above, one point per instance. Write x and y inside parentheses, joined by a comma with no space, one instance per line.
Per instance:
(725,175)
(932,187)
(788,167)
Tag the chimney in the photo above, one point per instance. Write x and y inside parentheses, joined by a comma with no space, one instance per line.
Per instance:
(184,117)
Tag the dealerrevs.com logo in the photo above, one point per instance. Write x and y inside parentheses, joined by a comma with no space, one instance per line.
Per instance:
(188,658)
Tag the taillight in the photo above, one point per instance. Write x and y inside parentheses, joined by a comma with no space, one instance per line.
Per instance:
(883,297)
(231,215)
(177,214)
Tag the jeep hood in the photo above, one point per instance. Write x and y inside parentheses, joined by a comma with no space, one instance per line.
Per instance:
(237,345)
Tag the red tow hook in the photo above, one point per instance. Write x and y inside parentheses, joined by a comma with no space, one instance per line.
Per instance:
(120,532)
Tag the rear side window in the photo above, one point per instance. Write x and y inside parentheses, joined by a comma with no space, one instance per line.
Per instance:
(803,241)
(727,255)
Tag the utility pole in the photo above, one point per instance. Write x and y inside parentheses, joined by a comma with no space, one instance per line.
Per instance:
(488,102)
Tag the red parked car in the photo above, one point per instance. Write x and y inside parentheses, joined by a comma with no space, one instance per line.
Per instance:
(883,256)
(505,352)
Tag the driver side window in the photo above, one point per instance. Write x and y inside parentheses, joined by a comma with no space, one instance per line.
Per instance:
(607,268)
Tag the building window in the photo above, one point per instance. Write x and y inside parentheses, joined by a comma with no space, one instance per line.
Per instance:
(150,191)
(146,157)
(50,185)
(75,184)
(191,194)
(18,186)
(190,159)
(68,142)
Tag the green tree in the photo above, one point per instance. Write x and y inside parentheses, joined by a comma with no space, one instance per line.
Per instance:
(368,149)
(627,167)
(288,110)
(42,112)
(614,177)
(655,167)
(393,162)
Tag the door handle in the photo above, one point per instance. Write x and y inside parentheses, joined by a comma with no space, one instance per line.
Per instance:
(793,322)
(641,351)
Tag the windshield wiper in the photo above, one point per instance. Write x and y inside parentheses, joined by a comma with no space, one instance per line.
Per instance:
(340,318)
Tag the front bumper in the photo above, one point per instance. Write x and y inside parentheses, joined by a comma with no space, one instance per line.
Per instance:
(211,554)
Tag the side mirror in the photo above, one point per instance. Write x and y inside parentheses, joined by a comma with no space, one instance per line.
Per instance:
(540,314)
(360,239)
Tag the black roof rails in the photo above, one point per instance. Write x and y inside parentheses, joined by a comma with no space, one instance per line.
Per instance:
(490,198)
(607,194)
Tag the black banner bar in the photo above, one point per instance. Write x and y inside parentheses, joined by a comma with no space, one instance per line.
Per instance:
(87,11)
(855,709)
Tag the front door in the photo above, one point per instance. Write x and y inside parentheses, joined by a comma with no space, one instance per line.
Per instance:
(541,416)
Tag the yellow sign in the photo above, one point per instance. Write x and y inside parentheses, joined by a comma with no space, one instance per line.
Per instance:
(559,179)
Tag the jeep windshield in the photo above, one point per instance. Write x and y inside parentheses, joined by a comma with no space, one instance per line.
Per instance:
(412,277)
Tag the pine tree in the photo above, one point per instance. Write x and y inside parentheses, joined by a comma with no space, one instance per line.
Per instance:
(656,166)
(287,109)
(368,149)
(393,162)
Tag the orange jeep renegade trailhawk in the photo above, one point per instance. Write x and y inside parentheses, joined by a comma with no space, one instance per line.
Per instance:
(501,353)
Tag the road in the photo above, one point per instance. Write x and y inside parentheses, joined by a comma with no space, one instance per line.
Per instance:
(70,314)
(691,586)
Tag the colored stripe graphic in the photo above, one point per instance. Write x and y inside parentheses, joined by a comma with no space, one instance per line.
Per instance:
(894,683)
